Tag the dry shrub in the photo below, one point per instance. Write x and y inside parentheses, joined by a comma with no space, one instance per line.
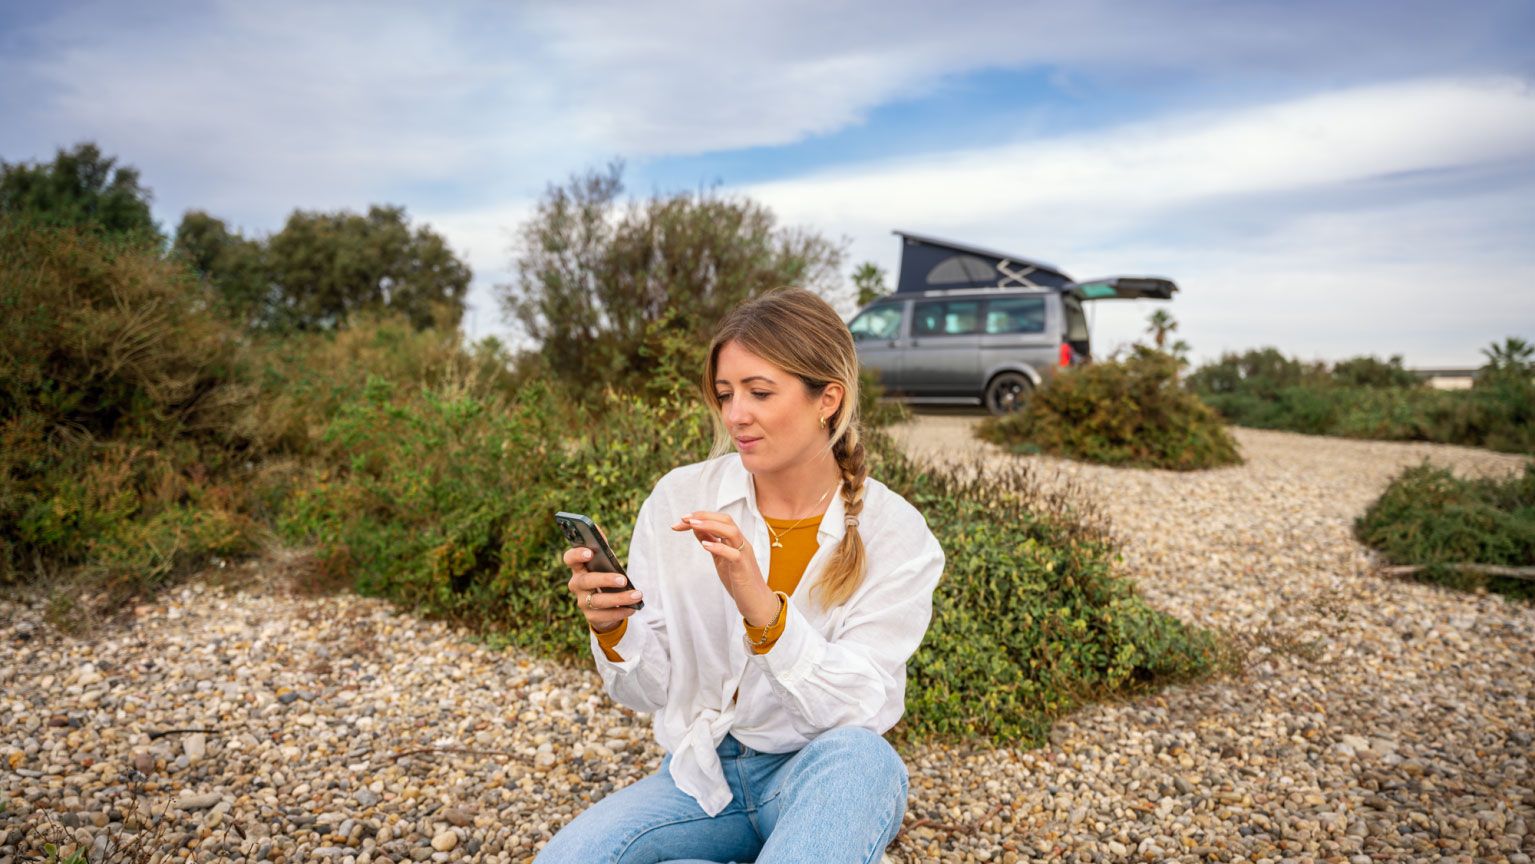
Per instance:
(117,391)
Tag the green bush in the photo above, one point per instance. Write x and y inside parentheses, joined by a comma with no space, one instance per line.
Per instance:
(117,393)
(443,498)
(1130,412)
(1373,372)
(1368,398)
(1431,518)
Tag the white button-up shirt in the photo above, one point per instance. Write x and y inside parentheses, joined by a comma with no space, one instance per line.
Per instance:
(685,654)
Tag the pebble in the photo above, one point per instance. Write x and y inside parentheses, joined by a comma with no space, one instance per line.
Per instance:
(195,746)
(446,841)
(1428,688)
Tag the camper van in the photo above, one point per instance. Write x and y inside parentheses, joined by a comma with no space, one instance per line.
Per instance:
(969,326)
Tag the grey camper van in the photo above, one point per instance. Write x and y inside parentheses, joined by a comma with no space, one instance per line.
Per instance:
(968,325)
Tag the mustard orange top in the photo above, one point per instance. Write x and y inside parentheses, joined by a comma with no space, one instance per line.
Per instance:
(786,566)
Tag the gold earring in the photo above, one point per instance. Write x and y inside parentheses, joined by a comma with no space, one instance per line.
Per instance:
(823,422)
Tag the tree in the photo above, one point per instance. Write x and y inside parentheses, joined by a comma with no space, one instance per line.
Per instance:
(869,281)
(234,266)
(80,188)
(600,285)
(326,266)
(1514,355)
(1159,325)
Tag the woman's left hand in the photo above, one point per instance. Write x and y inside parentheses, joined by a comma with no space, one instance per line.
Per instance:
(735,562)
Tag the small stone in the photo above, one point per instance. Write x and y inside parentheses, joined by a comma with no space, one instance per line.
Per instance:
(445,841)
(143,762)
(1357,743)
(198,802)
(458,816)
(195,746)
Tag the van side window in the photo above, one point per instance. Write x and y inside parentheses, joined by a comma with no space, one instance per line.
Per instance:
(881,322)
(1015,315)
(947,318)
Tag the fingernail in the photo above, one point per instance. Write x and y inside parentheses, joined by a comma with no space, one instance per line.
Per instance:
(586,553)
(619,581)
(706,542)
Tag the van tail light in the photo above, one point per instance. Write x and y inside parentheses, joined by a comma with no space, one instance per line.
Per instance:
(1065,355)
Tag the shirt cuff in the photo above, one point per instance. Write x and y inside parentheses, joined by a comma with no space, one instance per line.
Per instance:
(609,640)
(755,634)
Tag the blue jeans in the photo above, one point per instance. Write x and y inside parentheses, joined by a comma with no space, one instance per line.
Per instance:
(839,799)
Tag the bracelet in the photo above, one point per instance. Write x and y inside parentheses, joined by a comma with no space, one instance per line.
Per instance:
(783,602)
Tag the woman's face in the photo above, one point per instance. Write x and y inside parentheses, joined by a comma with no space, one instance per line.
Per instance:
(770,414)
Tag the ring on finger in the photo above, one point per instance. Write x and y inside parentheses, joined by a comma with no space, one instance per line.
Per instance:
(589,596)
(742,546)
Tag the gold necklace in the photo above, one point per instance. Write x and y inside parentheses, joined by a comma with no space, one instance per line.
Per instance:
(777,543)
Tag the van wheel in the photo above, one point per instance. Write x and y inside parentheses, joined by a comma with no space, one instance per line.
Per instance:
(1008,392)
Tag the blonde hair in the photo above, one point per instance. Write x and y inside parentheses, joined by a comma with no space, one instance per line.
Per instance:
(802,334)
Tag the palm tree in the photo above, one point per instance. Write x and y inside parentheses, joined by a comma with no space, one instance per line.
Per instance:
(1513,354)
(1159,325)
(869,279)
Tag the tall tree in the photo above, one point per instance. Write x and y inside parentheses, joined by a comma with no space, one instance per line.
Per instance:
(599,281)
(324,267)
(234,266)
(80,188)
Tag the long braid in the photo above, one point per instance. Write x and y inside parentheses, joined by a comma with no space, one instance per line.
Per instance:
(845,571)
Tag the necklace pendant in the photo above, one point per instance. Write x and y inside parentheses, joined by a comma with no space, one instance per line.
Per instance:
(777,545)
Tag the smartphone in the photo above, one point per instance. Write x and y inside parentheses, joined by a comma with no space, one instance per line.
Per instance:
(581,531)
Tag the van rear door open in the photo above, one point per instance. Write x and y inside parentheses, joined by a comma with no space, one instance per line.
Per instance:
(1124,288)
(1107,288)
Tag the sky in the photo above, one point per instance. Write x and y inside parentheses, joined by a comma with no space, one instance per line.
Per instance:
(1330,178)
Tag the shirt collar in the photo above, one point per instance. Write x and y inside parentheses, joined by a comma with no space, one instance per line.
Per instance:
(736,486)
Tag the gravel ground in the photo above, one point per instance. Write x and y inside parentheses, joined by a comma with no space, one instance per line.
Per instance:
(1377,720)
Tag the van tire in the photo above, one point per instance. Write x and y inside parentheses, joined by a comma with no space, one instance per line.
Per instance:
(1007,392)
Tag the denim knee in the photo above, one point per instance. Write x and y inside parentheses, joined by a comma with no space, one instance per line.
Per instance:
(867,750)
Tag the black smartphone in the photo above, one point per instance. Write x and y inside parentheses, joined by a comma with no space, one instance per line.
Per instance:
(581,531)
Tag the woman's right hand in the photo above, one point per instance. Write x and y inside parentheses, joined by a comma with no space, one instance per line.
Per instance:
(603,611)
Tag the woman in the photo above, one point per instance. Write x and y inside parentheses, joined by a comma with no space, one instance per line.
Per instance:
(783,592)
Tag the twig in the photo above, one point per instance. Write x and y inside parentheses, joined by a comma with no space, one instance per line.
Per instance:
(944,826)
(164,732)
(1526,573)
(464,750)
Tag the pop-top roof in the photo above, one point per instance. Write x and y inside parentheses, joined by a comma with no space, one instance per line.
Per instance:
(931,264)
(928,263)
